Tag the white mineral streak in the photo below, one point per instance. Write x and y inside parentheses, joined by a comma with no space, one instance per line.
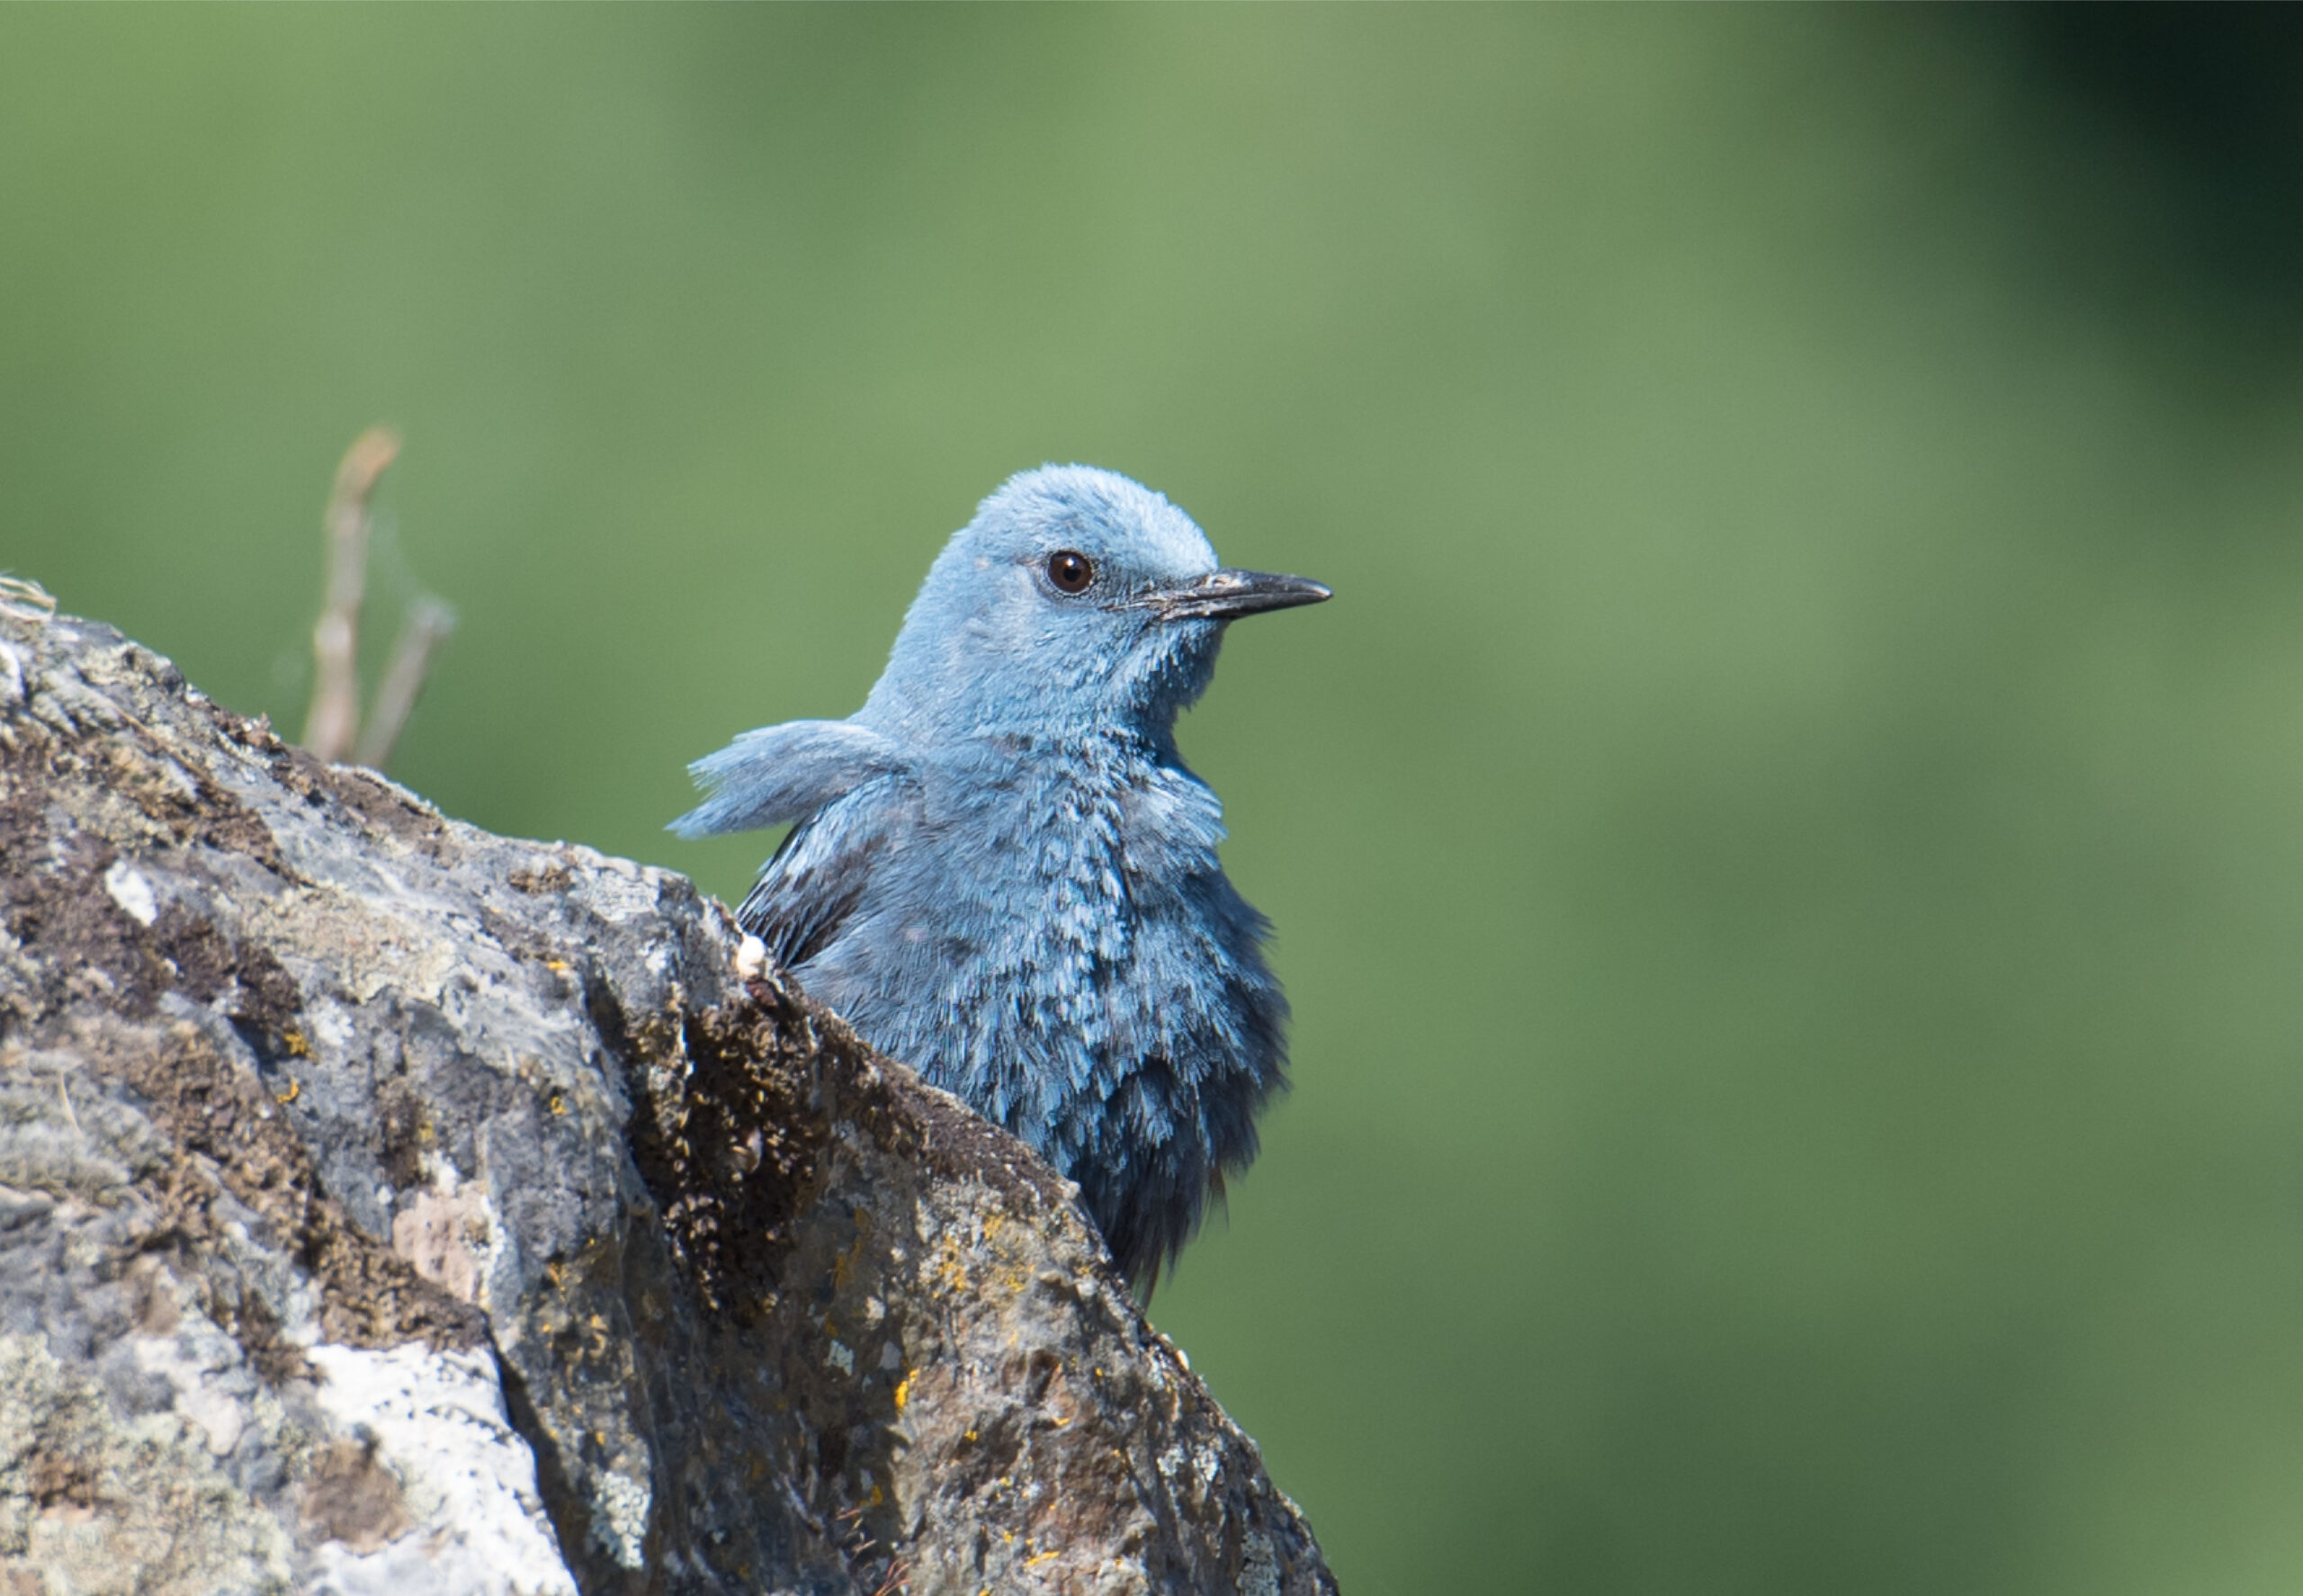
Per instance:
(622,1503)
(1258,1566)
(204,1371)
(751,958)
(132,892)
(331,1025)
(470,1481)
(616,890)
(619,898)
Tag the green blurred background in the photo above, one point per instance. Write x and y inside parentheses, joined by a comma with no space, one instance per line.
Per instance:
(1787,845)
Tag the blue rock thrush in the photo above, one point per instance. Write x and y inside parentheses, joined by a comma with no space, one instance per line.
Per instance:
(1003,874)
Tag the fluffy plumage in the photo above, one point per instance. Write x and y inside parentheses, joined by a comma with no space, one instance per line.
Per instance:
(1003,873)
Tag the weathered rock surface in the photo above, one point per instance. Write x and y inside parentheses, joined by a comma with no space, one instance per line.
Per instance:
(388,1207)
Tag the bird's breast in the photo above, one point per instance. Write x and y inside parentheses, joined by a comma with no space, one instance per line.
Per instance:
(1058,853)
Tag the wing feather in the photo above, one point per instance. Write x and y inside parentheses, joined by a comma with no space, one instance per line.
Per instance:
(785,772)
(809,889)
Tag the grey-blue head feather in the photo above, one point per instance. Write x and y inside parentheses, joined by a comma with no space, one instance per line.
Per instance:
(1002,873)
(992,641)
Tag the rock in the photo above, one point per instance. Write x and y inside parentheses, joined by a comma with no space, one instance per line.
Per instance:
(388,1207)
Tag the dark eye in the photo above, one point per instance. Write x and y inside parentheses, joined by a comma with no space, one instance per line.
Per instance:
(1070,570)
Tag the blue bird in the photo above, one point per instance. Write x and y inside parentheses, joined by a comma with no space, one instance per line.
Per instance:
(1003,874)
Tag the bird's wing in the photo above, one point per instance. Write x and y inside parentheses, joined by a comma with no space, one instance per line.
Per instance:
(815,881)
(785,772)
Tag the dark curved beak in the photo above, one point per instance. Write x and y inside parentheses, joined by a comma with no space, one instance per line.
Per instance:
(1227,594)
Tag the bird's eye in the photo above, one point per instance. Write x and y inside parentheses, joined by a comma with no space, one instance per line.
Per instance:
(1070,570)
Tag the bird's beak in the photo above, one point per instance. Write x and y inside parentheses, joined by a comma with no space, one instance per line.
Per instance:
(1227,594)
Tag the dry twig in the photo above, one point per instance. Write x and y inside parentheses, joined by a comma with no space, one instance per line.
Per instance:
(26,599)
(333,730)
(429,621)
(334,717)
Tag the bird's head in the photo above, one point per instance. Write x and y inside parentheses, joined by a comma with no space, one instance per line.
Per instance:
(1076,600)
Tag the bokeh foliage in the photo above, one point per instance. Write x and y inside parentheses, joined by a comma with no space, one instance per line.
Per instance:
(1788,845)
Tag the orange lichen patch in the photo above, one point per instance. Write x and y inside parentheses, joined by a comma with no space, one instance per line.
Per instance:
(844,1266)
(951,1266)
